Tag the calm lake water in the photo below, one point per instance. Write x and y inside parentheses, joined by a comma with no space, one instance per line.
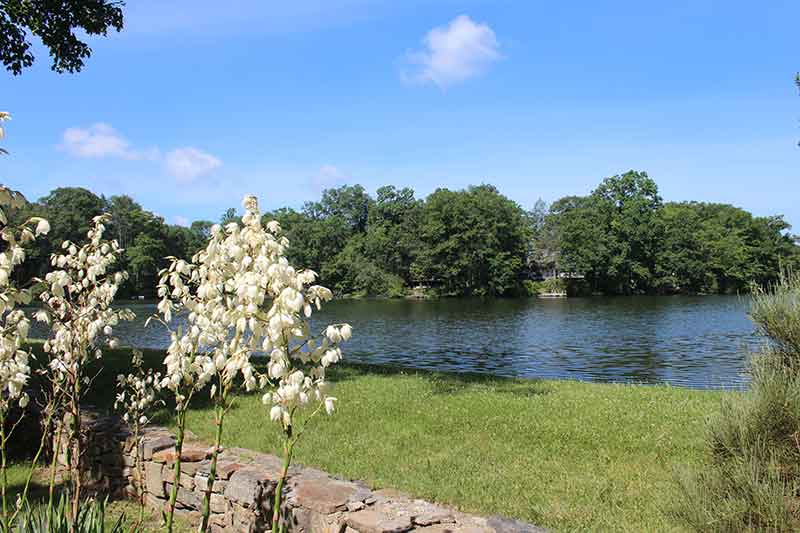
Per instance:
(698,341)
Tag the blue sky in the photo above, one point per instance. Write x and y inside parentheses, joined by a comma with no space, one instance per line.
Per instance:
(196,103)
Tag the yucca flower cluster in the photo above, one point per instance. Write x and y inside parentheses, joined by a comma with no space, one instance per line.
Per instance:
(138,392)
(241,296)
(80,291)
(14,358)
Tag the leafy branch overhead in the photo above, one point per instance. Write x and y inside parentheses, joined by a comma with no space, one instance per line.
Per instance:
(55,24)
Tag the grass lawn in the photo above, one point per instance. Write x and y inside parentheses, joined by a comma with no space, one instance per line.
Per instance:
(566,455)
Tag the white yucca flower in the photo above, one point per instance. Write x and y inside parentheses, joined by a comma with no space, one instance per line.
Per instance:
(14,324)
(239,295)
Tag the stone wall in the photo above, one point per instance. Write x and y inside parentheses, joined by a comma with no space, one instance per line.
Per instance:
(244,489)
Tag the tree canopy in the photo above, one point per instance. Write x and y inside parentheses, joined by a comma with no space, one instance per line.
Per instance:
(55,23)
(622,238)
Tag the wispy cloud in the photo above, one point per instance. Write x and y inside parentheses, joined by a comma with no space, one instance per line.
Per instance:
(188,163)
(329,176)
(453,53)
(101,140)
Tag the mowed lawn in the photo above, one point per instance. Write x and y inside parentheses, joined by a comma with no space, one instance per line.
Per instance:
(566,455)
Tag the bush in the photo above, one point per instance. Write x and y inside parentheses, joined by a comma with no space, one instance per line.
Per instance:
(753,474)
(550,285)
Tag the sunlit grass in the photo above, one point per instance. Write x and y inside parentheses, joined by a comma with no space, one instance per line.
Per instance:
(566,455)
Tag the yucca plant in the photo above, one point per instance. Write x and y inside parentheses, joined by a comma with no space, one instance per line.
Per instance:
(91,518)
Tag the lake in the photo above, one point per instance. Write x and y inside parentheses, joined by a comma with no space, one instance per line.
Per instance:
(694,341)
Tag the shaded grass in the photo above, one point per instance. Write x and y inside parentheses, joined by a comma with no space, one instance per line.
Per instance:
(129,510)
(566,455)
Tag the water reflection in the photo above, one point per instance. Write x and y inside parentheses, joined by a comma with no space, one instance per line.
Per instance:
(690,341)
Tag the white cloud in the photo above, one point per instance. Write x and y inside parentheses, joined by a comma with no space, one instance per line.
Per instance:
(102,140)
(98,140)
(188,163)
(329,176)
(454,53)
(181,221)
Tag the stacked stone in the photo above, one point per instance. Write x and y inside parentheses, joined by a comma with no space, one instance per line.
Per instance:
(242,495)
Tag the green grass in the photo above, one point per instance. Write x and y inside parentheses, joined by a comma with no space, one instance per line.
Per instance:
(129,510)
(566,455)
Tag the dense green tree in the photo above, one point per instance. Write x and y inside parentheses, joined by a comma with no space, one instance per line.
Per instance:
(70,211)
(612,235)
(391,238)
(350,203)
(682,260)
(353,271)
(629,207)
(316,239)
(202,229)
(473,242)
(56,23)
(145,259)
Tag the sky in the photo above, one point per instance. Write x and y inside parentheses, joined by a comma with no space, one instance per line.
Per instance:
(196,103)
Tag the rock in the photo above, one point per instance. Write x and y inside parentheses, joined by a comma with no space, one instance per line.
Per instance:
(325,495)
(507,525)
(361,494)
(245,520)
(154,482)
(149,447)
(189,515)
(201,484)
(355,505)
(218,503)
(154,502)
(390,495)
(451,528)
(189,454)
(187,481)
(186,498)
(307,521)
(192,468)
(226,468)
(221,520)
(371,521)
(435,516)
(247,486)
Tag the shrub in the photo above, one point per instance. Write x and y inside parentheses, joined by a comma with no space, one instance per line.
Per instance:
(550,285)
(752,478)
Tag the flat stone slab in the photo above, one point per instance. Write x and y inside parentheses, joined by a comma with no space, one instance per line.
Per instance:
(370,521)
(154,479)
(323,495)
(453,528)
(151,446)
(507,525)
(246,485)
(189,454)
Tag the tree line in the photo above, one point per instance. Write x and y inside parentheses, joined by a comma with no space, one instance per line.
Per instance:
(620,239)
